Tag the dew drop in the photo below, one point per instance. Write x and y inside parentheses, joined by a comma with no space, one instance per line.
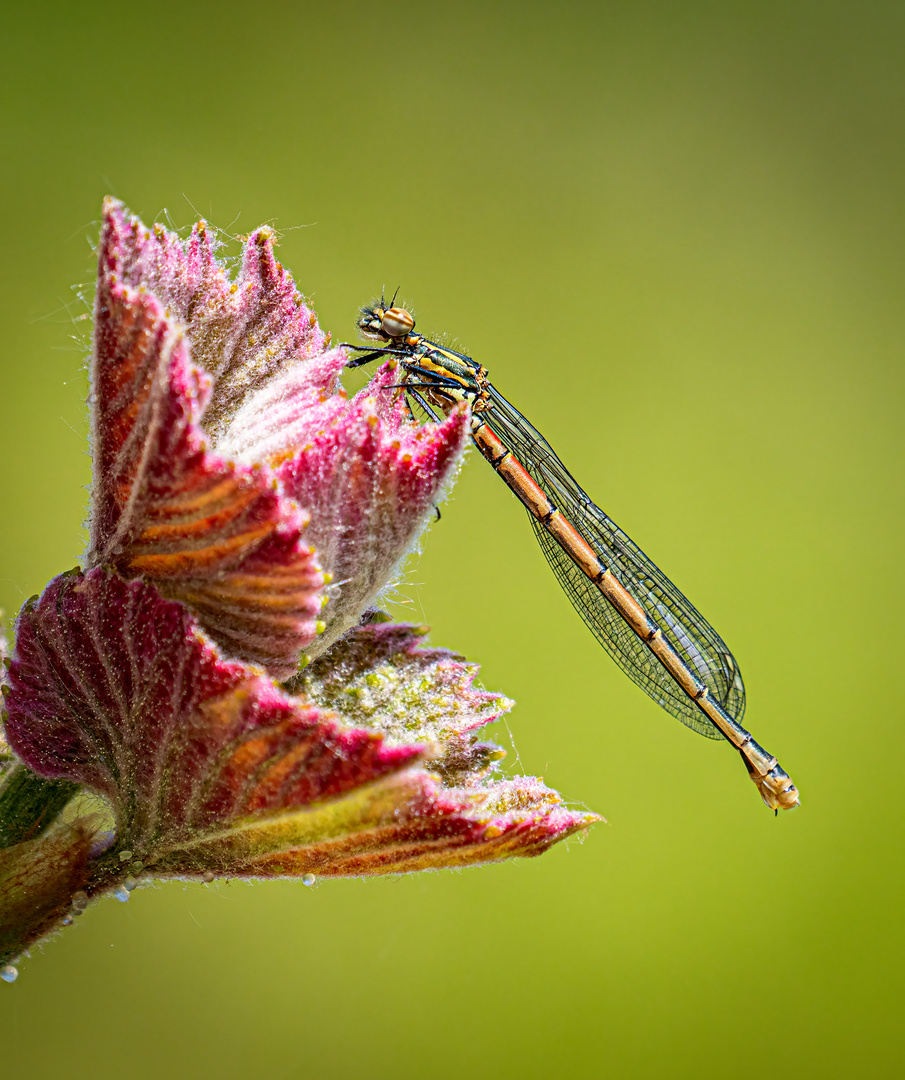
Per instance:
(121,893)
(208,876)
(125,856)
(309,880)
(79,901)
(67,920)
(8,973)
(130,883)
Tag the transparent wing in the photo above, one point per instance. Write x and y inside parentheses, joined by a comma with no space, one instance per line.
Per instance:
(687,631)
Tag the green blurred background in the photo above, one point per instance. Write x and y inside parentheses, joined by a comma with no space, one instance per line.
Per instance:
(674,233)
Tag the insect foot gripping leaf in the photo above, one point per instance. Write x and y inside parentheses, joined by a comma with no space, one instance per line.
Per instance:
(232,478)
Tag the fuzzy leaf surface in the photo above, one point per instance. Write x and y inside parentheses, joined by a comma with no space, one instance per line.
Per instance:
(115,687)
(217,535)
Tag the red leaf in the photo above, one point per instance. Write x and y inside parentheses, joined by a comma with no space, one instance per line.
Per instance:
(370,480)
(382,677)
(114,687)
(243,333)
(403,824)
(216,535)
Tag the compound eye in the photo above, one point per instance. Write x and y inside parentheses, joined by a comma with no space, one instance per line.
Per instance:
(369,327)
(397,322)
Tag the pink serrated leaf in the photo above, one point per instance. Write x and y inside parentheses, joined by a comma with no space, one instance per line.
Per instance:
(383,677)
(114,687)
(403,824)
(371,480)
(243,333)
(280,420)
(212,533)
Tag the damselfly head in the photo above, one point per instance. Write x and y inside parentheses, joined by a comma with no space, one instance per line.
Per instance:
(380,323)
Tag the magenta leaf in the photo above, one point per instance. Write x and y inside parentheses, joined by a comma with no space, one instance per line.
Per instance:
(243,333)
(115,687)
(213,534)
(200,473)
(403,824)
(380,676)
(371,480)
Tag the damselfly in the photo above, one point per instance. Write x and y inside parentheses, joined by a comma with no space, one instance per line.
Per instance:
(656,635)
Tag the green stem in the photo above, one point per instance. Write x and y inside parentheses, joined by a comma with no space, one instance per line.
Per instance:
(29,804)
